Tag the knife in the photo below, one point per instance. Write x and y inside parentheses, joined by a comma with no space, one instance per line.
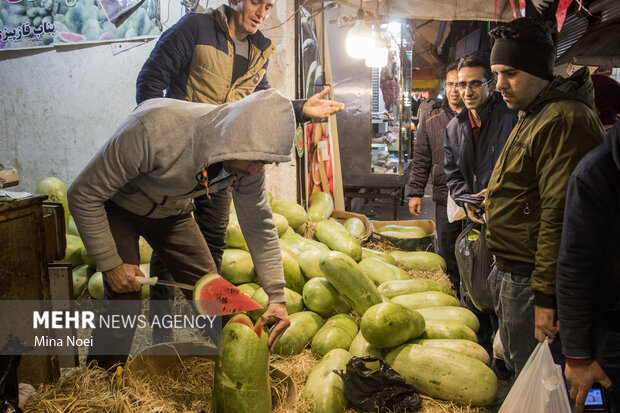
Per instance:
(155,280)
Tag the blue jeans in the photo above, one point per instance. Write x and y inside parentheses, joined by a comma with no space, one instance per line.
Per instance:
(514,305)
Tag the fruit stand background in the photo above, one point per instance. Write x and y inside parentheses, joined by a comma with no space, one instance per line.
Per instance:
(319,169)
(44,23)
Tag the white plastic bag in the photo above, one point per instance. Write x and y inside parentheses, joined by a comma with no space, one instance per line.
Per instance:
(539,387)
(455,212)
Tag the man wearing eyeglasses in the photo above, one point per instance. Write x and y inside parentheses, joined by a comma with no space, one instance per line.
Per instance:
(475,138)
(473,142)
(526,196)
(428,160)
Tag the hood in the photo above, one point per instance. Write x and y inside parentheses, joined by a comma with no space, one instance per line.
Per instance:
(578,86)
(612,142)
(260,127)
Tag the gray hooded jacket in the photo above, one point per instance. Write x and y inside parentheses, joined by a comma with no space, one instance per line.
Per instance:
(151,165)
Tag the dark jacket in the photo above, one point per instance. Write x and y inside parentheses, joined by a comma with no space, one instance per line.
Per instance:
(527,189)
(468,167)
(193,60)
(428,153)
(588,278)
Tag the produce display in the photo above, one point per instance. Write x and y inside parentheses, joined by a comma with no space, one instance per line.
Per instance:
(343,300)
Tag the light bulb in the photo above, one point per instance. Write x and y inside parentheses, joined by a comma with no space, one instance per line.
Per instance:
(377,54)
(358,40)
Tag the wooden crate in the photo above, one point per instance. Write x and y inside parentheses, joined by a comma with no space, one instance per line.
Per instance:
(413,244)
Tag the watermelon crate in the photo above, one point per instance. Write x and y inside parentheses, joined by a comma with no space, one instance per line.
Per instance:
(342,216)
(426,243)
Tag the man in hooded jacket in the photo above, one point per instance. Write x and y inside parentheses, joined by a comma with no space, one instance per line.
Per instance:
(142,181)
(525,198)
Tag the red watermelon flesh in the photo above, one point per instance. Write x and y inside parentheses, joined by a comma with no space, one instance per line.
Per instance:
(244,319)
(213,287)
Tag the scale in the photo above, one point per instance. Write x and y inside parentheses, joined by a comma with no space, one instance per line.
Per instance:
(8,176)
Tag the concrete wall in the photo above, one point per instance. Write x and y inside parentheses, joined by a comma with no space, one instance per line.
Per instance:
(57,107)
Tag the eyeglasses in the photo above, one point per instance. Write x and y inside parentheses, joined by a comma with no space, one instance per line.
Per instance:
(451,85)
(474,84)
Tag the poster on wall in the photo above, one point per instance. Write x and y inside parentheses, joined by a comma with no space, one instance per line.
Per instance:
(28,24)
(318,165)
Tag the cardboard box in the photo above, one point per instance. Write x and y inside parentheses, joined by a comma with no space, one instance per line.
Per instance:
(412,244)
(342,216)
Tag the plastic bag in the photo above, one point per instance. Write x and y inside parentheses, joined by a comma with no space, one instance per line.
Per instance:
(455,212)
(540,387)
(475,261)
(380,390)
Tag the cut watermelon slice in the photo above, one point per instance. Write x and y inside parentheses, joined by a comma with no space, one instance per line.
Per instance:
(213,287)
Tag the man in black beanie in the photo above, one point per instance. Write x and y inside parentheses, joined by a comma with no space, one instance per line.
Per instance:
(526,195)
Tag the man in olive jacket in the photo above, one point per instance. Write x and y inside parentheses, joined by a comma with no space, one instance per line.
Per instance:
(428,160)
(526,195)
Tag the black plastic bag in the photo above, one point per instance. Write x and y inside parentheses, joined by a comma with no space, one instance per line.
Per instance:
(474,261)
(382,390)
(10,356)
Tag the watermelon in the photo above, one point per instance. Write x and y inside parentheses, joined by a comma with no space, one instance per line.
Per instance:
(248,288)
(344,321)
(346,276)
(355,226)
(80,277)
(241,376)
(444,374)
(297,336)
(237,266)
(145,251)
(360,347)
(56,191)
(468,347)
(73,253)
(391,289)
(294,213)
(69,37)
(420,260)
(321,207)
(309,263)
(213,287)
(291,248)
(337,332)
(448,329)
(337,238)
(234,236)
(304,244)
(409,232)
(380,271)
(321,297)
(294,302)
(426,299)
(388,325)
(324,389)
(329,338)
(95,286)
(281,223)
(367,253)
(71,227)
(451,313)
(292,274)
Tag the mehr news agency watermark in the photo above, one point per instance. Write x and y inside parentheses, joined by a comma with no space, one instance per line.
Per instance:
(64,327)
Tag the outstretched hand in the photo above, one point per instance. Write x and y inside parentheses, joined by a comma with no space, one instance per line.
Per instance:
(317,107)
(277,311)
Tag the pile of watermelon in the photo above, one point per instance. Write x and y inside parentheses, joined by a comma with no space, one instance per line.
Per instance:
(86,278)
(416,325)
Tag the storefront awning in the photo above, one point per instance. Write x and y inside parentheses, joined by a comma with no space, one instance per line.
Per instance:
(597,47)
